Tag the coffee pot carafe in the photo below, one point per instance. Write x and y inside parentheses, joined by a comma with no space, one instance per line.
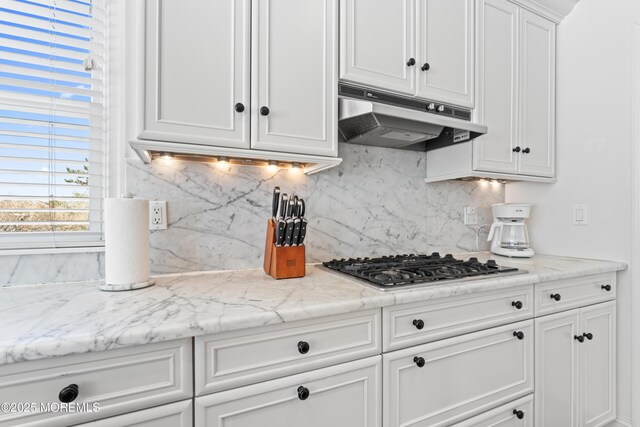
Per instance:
(508,233)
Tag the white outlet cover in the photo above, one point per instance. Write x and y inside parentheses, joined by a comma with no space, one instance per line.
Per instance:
(470,215)
(157,215)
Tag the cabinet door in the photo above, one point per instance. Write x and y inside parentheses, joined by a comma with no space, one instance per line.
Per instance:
(447,381)
(294,76)
(445,50)
(497,86)
(342,395)
(179,414)
(557,370)
(196,71)
(598,365)
(537,95)
(377,40)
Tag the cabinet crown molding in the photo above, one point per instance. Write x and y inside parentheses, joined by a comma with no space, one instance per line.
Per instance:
(555,10)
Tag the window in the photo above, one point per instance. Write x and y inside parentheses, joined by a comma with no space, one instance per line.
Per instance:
(52,142)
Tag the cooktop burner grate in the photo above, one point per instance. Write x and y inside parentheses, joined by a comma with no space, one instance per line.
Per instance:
(399,270)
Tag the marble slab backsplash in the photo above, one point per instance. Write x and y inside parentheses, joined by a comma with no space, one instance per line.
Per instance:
(446,200)
(375,203)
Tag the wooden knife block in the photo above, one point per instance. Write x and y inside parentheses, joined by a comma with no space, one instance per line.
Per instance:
(282,262)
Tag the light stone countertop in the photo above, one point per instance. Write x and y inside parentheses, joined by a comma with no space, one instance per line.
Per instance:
(43,321)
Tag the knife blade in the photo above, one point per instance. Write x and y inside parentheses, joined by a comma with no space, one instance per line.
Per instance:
(274,203)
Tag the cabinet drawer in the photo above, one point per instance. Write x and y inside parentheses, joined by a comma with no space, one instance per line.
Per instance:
(238,358)
(453,316)
(179,414)
(459,377)
(561,295)
(514,414)
(121,380)
(342,395)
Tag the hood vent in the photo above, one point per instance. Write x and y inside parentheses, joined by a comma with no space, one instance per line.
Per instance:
(370,117)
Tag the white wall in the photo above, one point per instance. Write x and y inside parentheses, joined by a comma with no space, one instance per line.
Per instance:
(594,155)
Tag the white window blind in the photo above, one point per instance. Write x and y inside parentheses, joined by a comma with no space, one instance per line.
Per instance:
(52,150)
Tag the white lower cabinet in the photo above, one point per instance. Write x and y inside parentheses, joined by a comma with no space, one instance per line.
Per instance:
(343,395)
(513,414)
(179,414)
(440,383)
(575,367)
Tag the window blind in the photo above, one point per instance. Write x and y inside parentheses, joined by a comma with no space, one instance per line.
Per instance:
(52,150)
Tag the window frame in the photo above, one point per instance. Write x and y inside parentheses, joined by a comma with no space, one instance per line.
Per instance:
(114,135)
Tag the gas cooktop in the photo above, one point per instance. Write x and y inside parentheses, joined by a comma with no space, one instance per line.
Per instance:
(402,271)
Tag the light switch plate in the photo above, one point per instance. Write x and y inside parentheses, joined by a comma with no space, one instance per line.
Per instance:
(470,215)
(157,215)
(580,216)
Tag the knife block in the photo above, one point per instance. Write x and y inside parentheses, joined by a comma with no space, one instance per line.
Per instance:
(282,262)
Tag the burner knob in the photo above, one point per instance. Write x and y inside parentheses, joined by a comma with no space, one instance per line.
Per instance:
(419,361)
(519,335)
(431,107)
(440,108)
(303,347)
(517,304)
(555,297)
(418,323)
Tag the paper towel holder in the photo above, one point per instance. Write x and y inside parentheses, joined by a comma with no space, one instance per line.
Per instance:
(131,287)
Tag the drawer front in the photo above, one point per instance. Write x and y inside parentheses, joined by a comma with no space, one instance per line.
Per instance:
(561,295)
(117,381)
(514,414)
(453,316)
(342,395)
(459,377)
(228,360)
(179,414)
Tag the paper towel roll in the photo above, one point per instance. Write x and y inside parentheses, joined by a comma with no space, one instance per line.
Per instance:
(126,224)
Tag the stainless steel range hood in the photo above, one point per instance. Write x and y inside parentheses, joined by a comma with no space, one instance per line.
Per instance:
(369,117)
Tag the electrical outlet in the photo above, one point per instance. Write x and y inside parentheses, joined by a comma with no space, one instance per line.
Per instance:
(470,215)
(157,215)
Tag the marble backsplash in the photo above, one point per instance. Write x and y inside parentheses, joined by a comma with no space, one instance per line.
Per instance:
(376,202)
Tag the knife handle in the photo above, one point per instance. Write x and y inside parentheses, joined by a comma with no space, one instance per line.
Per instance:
(288,235)
(301,208)
(303,231)
(280,231)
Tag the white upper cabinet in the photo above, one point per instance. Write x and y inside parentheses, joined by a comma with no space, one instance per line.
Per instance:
(497,86)
(537,95)
(294,76)
(197,62)
(420,48)
(515,99)
(516,91)
(445,50)
(238,78)
(377,44)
